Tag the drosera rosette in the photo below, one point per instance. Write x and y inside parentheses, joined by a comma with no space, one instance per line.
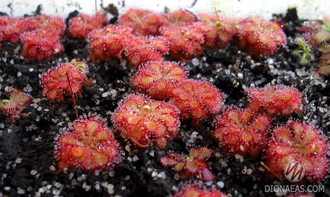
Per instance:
(195,190)
(142,22)
(108,43)
(68,79)
(185,41)
(242,131)
(88,144)
(157,79)
(81,25)
(218,30)
(16,103)
(12,27)
(146,121)
(324,68)
(317,32)
(179,18)
(4,21)
(258,36)
(301,143)
(51,23)
(140,50)
(193,164)
(40,45)
(275,100)
(196,100)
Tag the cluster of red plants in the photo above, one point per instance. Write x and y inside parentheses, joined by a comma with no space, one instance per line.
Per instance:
(246,132)
(195,99)
(119,42)
(11,28)
(187,36)
(145,22)
(187,98)
(40,35)
(90,145)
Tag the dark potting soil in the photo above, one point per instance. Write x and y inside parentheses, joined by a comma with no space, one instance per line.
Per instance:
(27,163)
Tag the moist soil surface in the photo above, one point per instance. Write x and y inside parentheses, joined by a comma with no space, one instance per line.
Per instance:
(27,163)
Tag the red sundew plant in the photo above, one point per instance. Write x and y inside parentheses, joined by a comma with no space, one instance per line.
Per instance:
(16,103)
(218,32)
(4,21)
(318,35)
(81,25)
(11,28)
(139,50)
(108,42)
(51,23)
(275,100)
(179,17)
(191,165)
(40,45)
(298,142)
(89,144)
(242,131)
(142,22)
(324,68)
(185,42)
(144,121)
(194,191)
(317,31)
(259,36)
(196,99)
(64,79)
(157,79)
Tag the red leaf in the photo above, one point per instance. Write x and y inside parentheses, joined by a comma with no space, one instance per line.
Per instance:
(207,175)
(168,161)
